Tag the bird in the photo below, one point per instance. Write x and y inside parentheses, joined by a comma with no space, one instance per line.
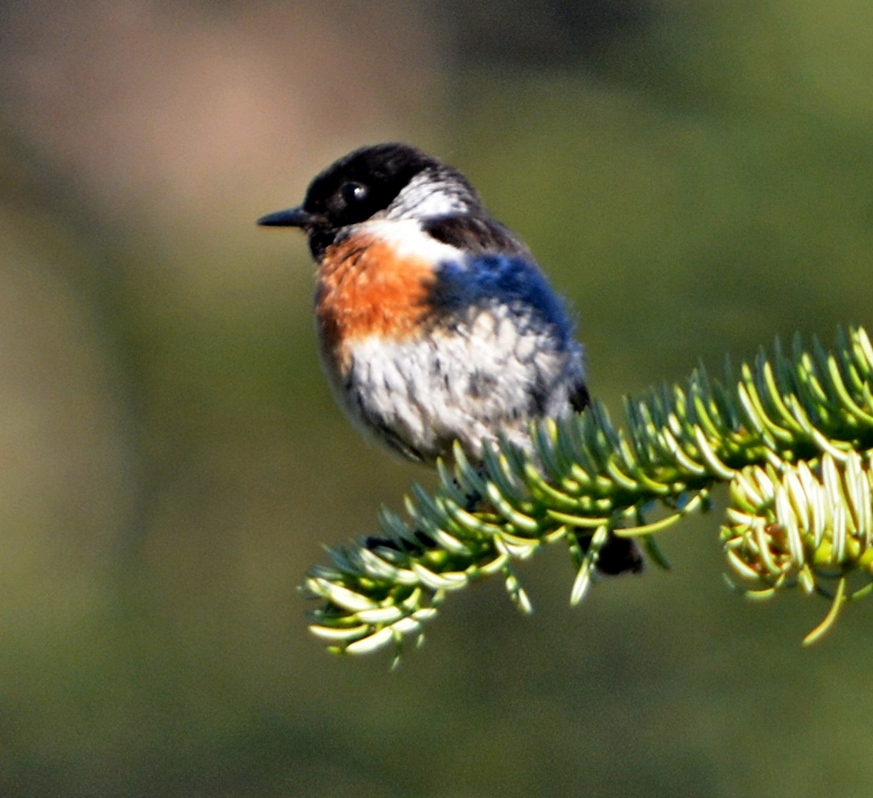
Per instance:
(435,323)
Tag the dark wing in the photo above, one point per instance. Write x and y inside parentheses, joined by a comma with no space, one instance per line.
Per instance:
(580,398)
(475,235)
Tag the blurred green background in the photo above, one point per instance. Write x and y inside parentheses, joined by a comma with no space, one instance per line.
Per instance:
(696,176)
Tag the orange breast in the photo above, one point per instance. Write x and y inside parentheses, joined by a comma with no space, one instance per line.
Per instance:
(364,289)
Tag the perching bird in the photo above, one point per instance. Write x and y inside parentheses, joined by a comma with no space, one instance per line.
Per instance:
(434,321)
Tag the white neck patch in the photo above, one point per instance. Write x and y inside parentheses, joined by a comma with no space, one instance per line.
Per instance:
(426,196)
(409,240)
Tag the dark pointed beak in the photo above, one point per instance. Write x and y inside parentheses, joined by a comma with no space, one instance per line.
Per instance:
(292,217)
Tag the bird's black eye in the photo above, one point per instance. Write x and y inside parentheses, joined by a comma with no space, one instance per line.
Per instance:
(354,193)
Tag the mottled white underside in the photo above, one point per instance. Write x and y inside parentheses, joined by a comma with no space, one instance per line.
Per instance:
(468,384)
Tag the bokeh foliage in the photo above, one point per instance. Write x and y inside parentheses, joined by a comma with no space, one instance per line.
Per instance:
(695,177)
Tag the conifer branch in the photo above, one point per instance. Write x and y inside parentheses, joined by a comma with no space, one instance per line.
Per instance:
(792,436)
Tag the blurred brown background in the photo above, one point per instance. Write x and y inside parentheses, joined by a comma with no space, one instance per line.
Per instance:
(696,177)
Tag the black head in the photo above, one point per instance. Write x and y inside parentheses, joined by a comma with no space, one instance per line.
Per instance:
(360,185)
